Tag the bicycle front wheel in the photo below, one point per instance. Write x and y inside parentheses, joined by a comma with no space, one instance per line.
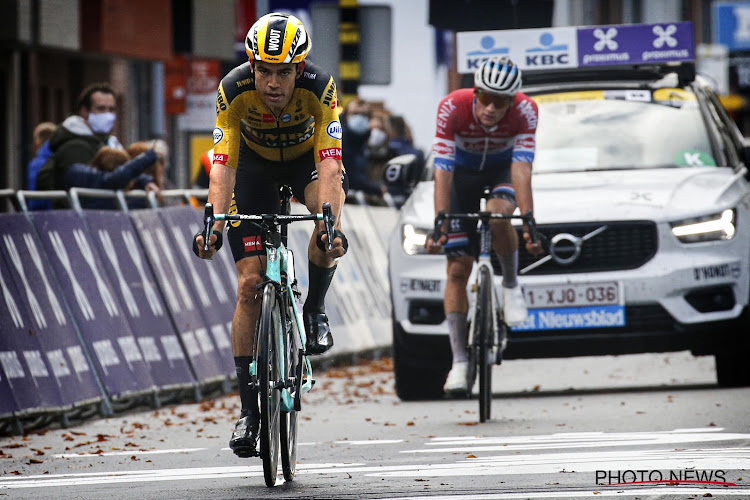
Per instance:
(289,419)
(483,342)
(269,377)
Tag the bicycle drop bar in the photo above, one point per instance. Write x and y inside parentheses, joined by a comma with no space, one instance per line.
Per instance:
(330,221)
(528,218)
(208,224)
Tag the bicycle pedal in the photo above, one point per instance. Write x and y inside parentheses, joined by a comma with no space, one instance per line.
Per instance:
(245,452)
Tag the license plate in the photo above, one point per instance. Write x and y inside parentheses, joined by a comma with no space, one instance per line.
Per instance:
(573,295)
(574,306)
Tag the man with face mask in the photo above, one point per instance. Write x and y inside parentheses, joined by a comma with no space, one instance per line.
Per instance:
(81,135)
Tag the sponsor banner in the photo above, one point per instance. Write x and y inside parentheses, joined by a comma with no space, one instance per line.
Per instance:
(568,318)
(133,282)
(731,25)
(184,306)
(206,281)
(636,44)
(41,355)
(529,49)
(95,308)
(571,47)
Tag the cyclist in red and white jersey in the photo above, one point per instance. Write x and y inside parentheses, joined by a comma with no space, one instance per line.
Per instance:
(485,137)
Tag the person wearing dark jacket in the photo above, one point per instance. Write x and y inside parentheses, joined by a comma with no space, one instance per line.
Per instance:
(110,169)
(354,134)
(80,136)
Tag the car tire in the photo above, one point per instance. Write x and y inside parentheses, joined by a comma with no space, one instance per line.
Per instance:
(732,367)
(420,363)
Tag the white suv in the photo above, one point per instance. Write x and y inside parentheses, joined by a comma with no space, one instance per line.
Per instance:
(641,190)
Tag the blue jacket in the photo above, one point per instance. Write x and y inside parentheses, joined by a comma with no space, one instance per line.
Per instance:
(35,164)
(82,175)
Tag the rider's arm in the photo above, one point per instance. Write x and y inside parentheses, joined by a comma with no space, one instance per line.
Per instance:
(329,187)
(220,190)
(520,168)
(328,148)
(520,172)
(443,183)
(225,154)
(444,150)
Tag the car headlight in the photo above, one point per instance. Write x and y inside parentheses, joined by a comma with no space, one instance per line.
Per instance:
(709,228)
(414,239)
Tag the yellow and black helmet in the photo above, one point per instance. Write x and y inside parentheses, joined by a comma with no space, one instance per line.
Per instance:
(277,38)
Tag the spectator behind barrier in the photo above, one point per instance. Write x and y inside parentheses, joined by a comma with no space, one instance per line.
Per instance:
(42,152)
(157,170)
(378,146)
(355,132)
(81,135)
(110,169)
(402,143)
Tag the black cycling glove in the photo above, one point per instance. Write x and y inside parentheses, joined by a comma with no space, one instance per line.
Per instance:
(217,245)
(336,234)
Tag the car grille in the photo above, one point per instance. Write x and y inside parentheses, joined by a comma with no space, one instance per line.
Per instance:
(623,245)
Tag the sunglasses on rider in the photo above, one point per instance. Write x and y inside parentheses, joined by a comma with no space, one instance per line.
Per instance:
(500,101)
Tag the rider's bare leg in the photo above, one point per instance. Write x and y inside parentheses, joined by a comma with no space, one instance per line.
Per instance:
(505,240)
(456,304)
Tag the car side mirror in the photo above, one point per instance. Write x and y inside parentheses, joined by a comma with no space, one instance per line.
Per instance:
(402,171)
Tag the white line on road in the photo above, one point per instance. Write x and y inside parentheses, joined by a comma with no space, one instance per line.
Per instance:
(127,453)
(600,493)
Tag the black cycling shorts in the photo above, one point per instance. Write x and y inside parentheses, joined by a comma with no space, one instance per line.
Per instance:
(468,188)
(256,191)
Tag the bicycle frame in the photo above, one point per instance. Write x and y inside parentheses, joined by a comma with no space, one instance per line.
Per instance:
(281,273)
(488,334)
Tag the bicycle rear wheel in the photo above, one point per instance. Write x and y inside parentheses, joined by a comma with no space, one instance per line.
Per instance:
(268,378)
(484,343)
(288,429)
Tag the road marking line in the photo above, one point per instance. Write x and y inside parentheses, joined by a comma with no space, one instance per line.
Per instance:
(371,441)
(126,453)
(638,492)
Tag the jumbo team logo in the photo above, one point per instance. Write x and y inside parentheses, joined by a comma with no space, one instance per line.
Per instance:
(334,130)
(218,135)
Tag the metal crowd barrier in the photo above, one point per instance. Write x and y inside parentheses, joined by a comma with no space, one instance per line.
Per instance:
(100,313)
(104,310)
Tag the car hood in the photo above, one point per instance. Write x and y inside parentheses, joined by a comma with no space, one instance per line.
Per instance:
(653,194)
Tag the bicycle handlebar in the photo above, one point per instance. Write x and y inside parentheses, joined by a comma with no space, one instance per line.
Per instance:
(330,221)
(208,224)
(209,218)
(442,216)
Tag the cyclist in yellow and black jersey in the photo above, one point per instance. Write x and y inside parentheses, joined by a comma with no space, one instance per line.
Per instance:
(277,123)
(309,121)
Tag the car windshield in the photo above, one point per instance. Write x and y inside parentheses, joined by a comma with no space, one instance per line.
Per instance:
(620,129)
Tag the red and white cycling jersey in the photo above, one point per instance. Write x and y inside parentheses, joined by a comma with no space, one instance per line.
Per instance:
(462,142)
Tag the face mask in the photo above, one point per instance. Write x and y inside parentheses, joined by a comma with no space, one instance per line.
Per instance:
(101,123)
(377,138)
(358,123)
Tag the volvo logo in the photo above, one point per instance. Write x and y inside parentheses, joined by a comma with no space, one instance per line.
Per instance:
(564,249)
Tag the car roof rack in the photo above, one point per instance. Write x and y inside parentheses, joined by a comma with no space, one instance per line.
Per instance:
(685,72)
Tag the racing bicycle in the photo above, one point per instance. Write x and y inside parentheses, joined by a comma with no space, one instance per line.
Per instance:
(280,368)
(488,333)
